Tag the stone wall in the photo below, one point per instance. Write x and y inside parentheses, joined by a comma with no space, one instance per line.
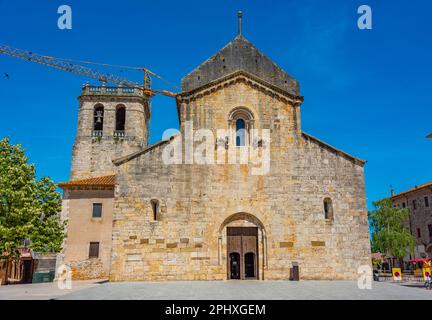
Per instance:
(198,202)
(420,218)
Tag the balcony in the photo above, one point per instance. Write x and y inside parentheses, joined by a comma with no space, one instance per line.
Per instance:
(119,134)
(97,133)
(90,90)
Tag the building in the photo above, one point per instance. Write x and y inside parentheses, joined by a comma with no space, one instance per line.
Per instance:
(88,205)
(419,202)
(28,267)
(18,270)
(182,209)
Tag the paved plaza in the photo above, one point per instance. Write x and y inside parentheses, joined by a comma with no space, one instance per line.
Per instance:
(216,290)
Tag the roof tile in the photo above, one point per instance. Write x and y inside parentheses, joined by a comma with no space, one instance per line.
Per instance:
(105,181)
(416,188)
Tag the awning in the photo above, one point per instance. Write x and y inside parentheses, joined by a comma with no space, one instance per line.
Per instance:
(377,255)
(25,253)
(417,260)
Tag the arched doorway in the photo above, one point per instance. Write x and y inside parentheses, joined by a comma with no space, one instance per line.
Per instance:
(243,237)
(234,265)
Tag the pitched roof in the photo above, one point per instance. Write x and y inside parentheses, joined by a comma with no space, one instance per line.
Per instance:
(416,188)
(240,54)
(136,154)
(105,181)
(333,149)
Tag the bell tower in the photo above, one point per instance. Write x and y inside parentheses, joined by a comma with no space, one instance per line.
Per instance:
(112,122)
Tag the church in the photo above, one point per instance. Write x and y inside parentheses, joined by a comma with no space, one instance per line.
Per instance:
(241,192)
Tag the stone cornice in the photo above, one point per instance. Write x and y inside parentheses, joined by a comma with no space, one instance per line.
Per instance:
(111,98)
(241,76)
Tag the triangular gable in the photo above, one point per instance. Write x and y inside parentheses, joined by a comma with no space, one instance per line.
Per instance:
(240,54)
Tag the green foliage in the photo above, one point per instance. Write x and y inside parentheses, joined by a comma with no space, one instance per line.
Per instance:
(376,263)
(29,209)
(390,232)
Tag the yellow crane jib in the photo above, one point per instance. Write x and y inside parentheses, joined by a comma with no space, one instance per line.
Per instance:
(70,66)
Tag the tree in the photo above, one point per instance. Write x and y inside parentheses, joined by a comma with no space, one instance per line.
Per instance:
(29,209)
(390,233)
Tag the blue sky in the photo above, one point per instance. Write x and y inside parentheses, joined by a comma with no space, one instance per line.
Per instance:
(366,92)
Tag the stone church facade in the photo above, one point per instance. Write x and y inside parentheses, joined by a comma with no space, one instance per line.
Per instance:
(189,220)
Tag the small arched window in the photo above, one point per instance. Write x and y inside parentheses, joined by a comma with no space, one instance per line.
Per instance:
(240,133)
(120,118)
(98,118)
(328,209)
(155,209)
(241,121)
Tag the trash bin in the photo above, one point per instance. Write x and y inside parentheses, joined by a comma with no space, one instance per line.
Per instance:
(376,275)
(41,277)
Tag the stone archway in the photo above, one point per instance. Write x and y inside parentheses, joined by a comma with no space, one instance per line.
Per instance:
(236,234)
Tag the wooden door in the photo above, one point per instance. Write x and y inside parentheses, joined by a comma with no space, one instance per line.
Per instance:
(242,251)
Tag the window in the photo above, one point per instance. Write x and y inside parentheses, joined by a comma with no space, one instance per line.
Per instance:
(240,133)
(328,209)
(418,233)
(94,250)
(98,118)
(426,199)
(97,210)
(155,209)
(120,118)
(241,122)
(414,204)
(403,205)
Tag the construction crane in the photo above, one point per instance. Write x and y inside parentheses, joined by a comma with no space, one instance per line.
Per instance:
(69,65)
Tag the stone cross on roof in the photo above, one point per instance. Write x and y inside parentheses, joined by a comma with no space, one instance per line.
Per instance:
(239,15)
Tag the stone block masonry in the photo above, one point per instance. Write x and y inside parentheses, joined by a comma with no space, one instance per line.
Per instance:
(191,221)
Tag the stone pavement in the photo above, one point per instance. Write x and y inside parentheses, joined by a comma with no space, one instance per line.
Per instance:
(42,291)
(217,290)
